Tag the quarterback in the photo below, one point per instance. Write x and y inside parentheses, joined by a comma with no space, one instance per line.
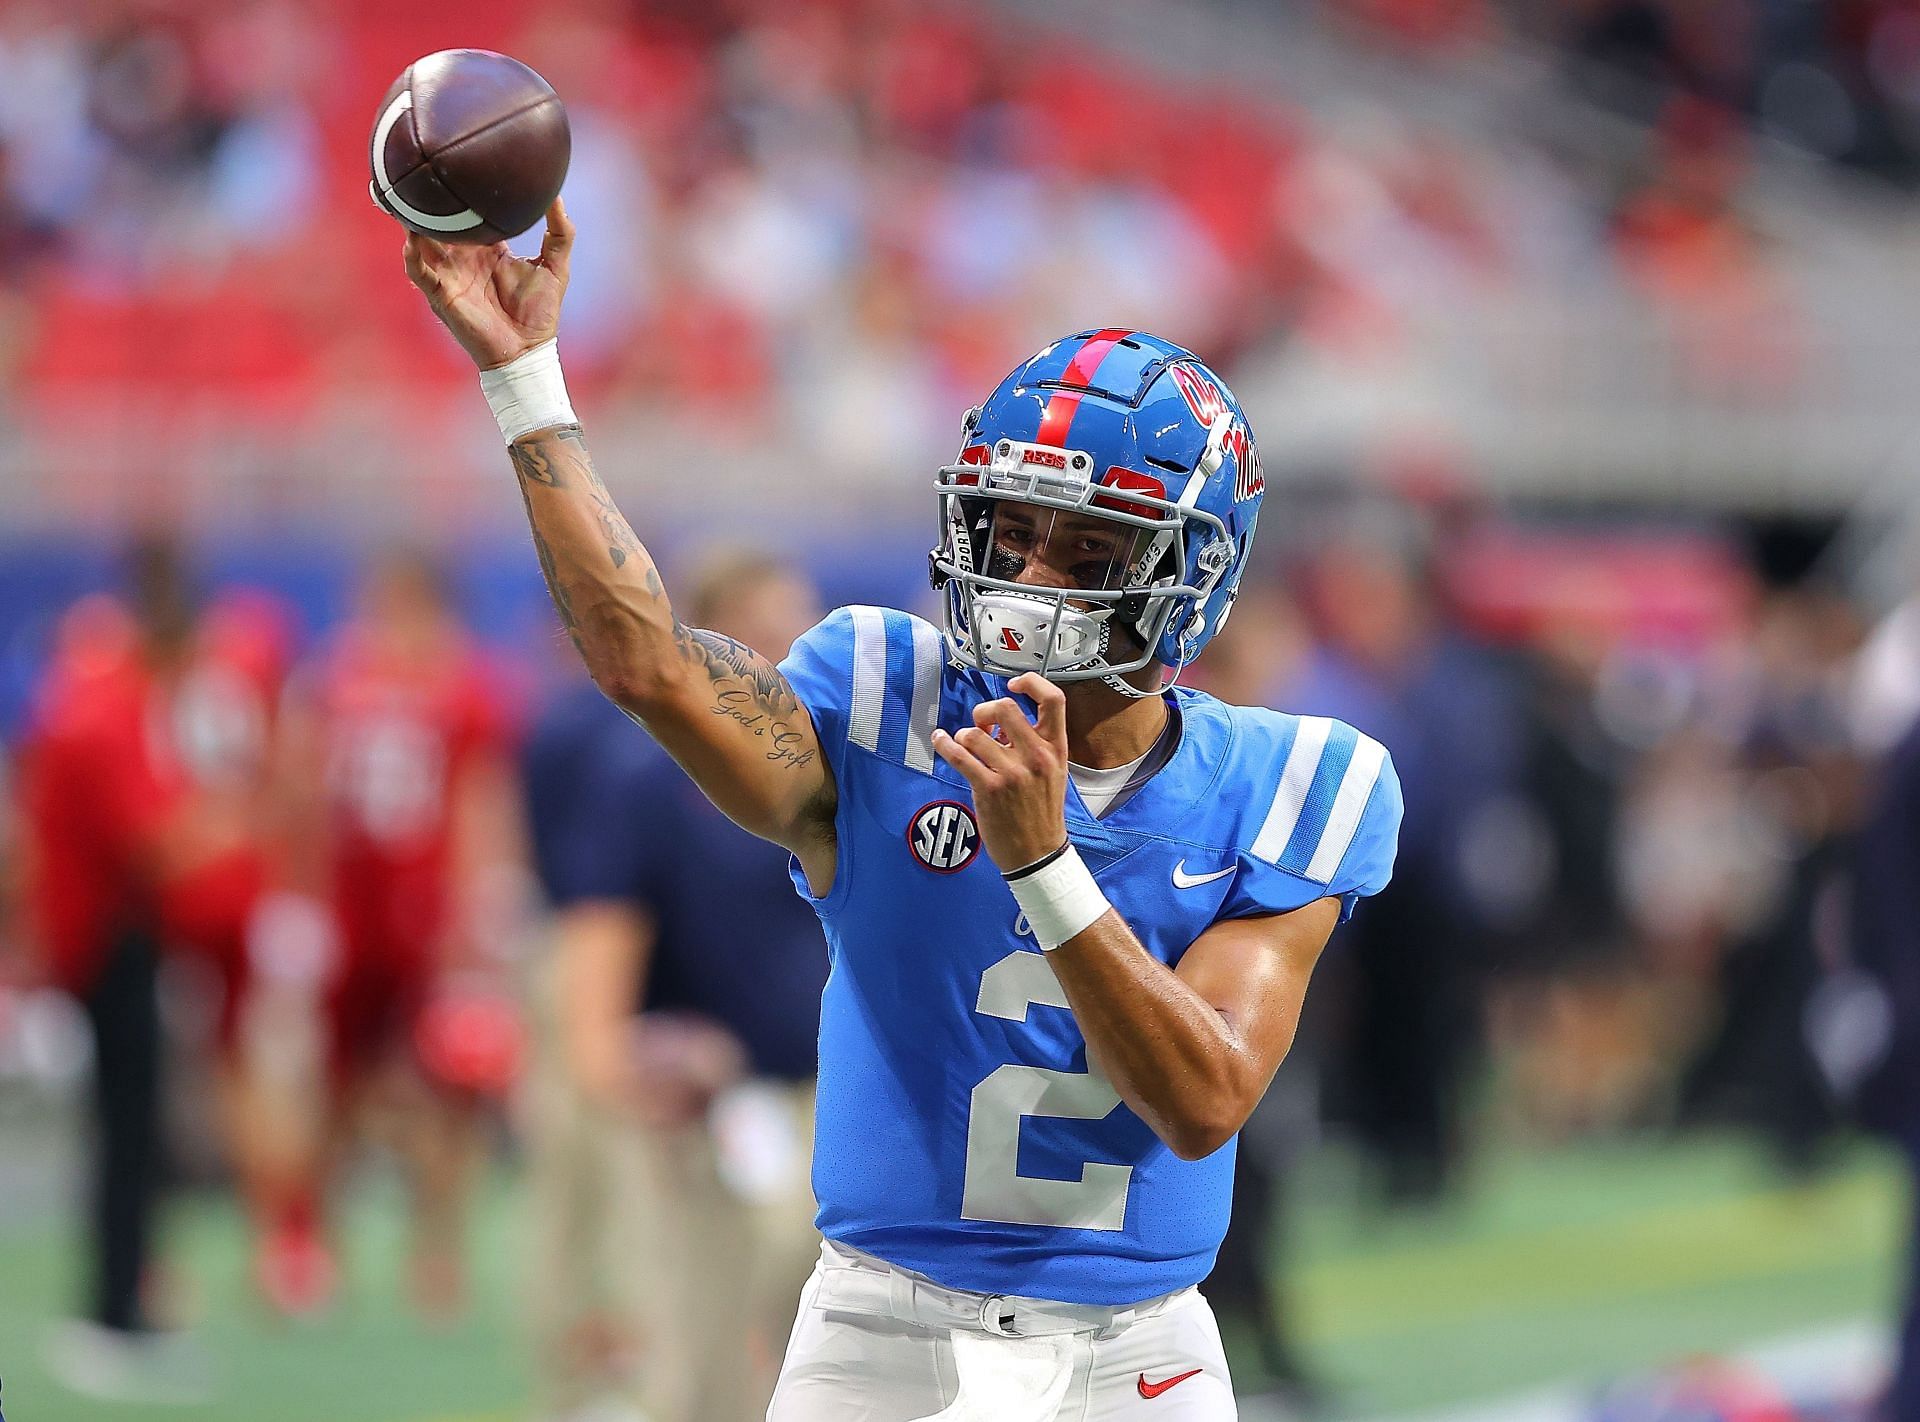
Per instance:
(1071,906)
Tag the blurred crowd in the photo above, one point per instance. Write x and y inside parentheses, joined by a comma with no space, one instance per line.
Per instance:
(826,222)
(1840,81)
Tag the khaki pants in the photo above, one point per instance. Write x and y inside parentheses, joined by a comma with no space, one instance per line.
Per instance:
(655,1284)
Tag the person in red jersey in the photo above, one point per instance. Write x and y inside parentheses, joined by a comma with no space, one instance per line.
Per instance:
(264,948)
(398,739)
(128,851)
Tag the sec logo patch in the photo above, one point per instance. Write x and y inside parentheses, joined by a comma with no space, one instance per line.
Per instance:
(943,836)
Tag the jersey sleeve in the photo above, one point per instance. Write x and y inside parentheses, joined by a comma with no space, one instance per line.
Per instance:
(1329,830)
(820,671)
(870,677)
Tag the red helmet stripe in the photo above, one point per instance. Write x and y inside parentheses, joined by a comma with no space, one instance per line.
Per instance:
(1057,418)
(1080,370)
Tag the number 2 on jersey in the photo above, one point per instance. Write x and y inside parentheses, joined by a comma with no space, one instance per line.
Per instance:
(995,1191)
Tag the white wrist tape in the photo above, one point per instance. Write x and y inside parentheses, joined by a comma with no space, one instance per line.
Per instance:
(1060,900)
(529,393)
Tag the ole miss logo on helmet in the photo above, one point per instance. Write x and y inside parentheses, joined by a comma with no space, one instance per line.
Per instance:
(1208,402)
(943,836)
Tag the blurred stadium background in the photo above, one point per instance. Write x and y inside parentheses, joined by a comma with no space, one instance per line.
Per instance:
(1580,336)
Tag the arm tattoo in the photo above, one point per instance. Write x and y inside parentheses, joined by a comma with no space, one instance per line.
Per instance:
(562,600)
(749,689)
(536,465)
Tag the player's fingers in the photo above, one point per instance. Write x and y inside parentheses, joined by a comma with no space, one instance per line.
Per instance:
(420,270)
(997,746)
(435,259)
(986,717)
(1049,701)
(961,759)
(496,263)
(1011,718)
(988,751)
(557,245)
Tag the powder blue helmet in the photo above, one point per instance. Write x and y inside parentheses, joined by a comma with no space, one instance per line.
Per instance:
(1138,440)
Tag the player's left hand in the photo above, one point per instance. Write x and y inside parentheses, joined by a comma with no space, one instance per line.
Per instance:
(1018,771)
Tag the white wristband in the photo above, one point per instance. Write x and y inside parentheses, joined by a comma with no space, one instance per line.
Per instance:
(529,393)
(1059,900)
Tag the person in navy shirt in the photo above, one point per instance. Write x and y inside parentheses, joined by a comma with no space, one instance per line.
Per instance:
(673,1111)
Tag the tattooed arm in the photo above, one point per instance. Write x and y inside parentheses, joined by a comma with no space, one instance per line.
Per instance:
(723,711)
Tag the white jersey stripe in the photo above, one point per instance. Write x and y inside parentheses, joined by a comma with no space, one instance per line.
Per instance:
(1343,821)
(1295,781)
(869,677)
(928,657)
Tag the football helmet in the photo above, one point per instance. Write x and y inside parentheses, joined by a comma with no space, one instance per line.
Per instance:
(1132,464)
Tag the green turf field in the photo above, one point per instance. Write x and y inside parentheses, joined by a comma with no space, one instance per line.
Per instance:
(1588,1262)
(1574,1264)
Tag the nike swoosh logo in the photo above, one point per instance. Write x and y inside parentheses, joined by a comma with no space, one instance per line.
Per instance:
(1183,880)
(1152,1390)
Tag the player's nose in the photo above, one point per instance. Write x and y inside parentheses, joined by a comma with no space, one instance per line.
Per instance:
(1039,571)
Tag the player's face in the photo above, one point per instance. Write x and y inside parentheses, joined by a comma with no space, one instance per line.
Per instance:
(1047,548)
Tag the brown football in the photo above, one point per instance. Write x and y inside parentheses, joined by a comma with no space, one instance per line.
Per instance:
(469,146)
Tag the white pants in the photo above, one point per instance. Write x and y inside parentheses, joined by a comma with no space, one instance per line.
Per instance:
(873,1343)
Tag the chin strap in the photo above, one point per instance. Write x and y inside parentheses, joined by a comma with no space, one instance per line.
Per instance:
(1132,692)
(1127,688)
(1114,679)
(1119,683)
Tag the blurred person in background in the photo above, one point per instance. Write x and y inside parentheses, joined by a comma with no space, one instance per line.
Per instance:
(164,141)
(1800,788)
(397,749)
(1388,663)
(224,722)
(1566,962)
(139,831)
(671,1125)
(1261,648)
(1867,1027)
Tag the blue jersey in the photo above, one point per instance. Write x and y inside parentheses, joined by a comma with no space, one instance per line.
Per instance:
(960,1132)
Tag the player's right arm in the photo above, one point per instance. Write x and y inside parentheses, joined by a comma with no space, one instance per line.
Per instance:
(721,709)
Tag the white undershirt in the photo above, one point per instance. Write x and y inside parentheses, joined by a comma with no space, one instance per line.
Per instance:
(1099,787)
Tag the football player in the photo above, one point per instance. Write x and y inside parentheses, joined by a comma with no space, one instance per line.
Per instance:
(1071,908)
(396,734)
